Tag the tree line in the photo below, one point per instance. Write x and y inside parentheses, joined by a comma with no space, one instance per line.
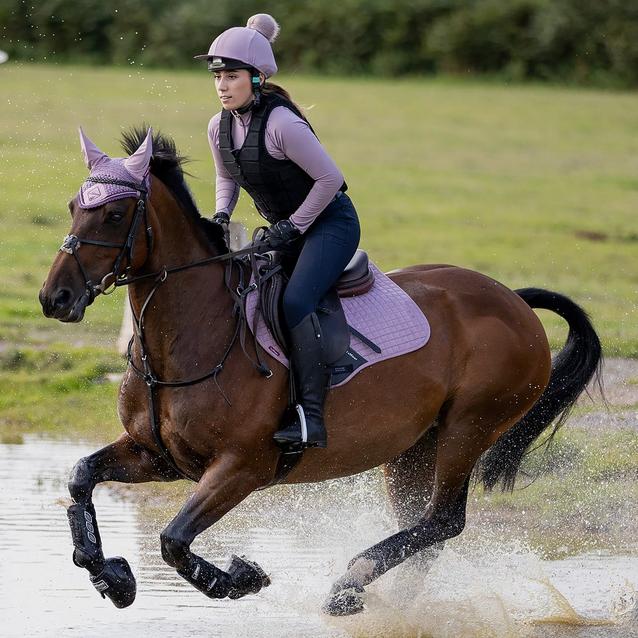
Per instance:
(574,41)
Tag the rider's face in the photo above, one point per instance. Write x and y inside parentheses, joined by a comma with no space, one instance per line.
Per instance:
(234,88)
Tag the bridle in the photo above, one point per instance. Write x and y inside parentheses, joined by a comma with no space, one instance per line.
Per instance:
(72,243)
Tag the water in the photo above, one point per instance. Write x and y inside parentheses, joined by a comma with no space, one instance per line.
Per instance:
(303,537)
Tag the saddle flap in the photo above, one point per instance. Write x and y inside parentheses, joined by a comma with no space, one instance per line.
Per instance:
(383,324)
(271,289)
(334,327)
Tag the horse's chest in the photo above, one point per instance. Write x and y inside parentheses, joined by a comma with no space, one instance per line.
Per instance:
(178,415)
(134,409)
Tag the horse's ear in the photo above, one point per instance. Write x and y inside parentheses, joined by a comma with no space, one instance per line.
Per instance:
(137,164)
(92,154)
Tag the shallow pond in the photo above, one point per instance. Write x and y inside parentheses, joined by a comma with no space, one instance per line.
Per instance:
(303,537)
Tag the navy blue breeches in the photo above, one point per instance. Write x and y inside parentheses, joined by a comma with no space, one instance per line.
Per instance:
(324,251)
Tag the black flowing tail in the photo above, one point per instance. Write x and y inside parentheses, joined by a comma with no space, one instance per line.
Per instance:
(572,369)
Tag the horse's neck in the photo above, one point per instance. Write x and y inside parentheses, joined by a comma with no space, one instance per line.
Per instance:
(187,320)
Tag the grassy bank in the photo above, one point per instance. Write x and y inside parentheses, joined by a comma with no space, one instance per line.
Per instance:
(531,185)
(59,391)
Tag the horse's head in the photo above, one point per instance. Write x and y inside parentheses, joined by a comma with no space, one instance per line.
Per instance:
(106,239)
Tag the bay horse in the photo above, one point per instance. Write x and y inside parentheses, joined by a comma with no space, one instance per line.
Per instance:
(473,399)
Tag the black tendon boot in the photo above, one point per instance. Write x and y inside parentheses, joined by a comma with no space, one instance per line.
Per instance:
(312,378)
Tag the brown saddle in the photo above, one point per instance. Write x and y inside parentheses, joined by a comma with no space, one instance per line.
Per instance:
(357,278)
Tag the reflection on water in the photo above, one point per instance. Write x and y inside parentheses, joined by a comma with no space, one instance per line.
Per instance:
(303,537)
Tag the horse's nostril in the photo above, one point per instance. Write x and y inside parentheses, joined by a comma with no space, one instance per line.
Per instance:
(62,298)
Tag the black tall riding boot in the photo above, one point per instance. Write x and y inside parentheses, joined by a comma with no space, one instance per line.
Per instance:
(312,378)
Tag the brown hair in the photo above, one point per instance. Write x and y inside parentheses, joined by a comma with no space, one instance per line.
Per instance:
(269,88)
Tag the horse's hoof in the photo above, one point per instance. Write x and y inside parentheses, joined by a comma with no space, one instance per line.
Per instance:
(345,601)
(247,577)
(116,581)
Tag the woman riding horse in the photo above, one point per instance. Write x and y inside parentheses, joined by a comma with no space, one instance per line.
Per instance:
(262,142)
(475,398)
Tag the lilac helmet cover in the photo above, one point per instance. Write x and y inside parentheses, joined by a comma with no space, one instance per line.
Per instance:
(250,44)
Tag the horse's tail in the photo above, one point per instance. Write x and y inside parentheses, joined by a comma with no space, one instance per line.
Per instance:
(572,369)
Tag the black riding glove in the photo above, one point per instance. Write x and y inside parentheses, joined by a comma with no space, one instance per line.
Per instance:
(223,219)
(281,234)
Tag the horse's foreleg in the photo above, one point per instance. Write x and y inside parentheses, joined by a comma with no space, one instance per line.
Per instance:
(224,485)
(123,461)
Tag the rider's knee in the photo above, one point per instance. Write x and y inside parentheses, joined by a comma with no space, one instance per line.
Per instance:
(174,549)
(295,306)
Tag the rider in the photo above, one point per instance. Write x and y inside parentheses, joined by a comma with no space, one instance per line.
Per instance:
(263,143)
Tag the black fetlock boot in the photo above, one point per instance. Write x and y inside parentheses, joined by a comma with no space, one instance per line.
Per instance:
(312,379)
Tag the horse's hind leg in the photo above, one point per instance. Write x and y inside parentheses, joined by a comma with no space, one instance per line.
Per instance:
(409,480)
(126,462)
(460,442)
(223,486)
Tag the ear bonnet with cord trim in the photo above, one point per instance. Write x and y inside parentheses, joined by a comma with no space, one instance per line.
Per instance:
(133,169)
(246,47)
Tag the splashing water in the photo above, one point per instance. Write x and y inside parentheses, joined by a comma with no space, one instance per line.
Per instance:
(304,537)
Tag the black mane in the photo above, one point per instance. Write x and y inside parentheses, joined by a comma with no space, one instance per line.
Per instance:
(166,165)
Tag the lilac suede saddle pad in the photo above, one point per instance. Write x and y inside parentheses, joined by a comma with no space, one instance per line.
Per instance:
(385,315)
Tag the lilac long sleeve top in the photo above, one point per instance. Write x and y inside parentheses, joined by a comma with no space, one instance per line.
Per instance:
(287,137)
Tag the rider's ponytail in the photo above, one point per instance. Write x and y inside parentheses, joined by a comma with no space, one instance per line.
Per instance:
(270,88)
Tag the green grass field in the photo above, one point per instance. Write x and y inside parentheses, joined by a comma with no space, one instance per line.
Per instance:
(533,185)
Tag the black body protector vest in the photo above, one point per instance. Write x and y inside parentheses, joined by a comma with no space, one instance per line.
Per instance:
(278,187)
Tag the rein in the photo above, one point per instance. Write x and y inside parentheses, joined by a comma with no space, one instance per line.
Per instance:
(72,243)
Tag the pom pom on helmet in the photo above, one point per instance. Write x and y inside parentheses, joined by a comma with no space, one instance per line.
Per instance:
(264,24)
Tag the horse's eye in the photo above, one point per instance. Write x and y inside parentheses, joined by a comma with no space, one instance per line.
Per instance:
(115,217)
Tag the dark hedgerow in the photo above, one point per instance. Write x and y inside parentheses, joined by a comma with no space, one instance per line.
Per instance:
(578,41)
